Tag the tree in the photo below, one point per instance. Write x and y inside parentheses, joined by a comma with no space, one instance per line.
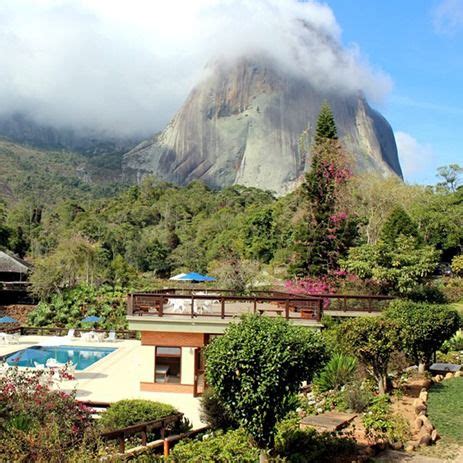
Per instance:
(397,267)
(257,366)
(75,260)
(326,231)
(423,328)
(236,274)
(258,235)
(398,223)
(450,175)
(372,341)
(326,126)
(371,198)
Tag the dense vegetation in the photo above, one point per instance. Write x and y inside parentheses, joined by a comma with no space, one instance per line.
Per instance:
(337,231)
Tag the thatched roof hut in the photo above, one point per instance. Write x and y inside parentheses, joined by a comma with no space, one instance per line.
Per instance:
(13,268)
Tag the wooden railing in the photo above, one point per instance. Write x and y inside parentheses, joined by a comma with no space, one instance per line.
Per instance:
(355,302)
(291,306)
(143,429)
(288,305)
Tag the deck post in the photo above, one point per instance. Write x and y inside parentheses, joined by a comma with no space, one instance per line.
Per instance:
(255,305)
(166,448)
(287,309)
(161,307)
(222,308)
(192,305)
(143,437)
(122,444)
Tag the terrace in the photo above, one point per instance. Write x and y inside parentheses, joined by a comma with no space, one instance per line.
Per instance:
(210,310)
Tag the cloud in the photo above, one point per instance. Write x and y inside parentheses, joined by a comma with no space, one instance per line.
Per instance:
(127,66)
(414,156)
(448,17)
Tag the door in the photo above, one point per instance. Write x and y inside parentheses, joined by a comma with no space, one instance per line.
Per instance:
(200,380)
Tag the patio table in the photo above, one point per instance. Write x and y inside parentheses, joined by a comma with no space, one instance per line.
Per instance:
(162,370)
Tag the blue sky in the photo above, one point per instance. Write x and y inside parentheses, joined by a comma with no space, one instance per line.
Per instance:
(419,44)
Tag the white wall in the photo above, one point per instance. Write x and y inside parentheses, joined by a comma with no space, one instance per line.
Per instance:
(188,365)
(145,363)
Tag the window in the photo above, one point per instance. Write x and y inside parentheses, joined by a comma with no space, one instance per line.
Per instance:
(167,364)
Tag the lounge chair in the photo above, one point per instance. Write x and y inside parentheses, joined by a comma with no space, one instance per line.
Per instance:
(11,338)
(111,337)
(178,305)
(52,363)
(39,366)
(70,336)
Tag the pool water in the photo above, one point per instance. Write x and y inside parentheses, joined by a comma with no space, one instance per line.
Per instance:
(82,357)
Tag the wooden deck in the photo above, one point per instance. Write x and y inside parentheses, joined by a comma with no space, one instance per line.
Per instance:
(206,303)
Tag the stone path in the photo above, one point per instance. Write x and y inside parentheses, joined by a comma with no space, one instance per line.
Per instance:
(328,422)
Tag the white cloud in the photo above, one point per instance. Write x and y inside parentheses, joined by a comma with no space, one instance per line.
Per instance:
(127,66)
(448,17)
(414,156)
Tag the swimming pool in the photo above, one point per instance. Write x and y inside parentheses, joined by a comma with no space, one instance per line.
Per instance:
(83,357)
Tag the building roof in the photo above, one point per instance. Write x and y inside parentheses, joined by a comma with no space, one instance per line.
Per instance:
(13,264)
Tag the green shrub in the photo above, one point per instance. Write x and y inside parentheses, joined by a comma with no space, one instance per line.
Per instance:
(293,444)
(214,413)
(357,397)
(457,265)
(427,293)
(37,423)
(381,423)
(339,371)
(69,307)
(453,344)
(233,446)
(452,288)
(127,412)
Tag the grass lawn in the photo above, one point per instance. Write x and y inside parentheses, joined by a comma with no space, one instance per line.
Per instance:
(457,306)
(445,409)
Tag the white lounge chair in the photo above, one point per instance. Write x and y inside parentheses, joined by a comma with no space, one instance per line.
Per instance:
(71,335)
(11,338)
(52,363)
(111,337)
(39,366)
(178,305)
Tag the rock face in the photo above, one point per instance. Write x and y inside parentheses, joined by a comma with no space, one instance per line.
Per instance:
(251,124)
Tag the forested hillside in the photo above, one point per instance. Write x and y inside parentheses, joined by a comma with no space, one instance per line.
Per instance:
(47,177)
(336,232)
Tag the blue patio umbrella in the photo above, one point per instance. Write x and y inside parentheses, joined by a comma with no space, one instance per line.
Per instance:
(8,320)
(27,355)
(192,276)
(91,319)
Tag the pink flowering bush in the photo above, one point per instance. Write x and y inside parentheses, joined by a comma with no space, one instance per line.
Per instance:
(311,287)
(38,423)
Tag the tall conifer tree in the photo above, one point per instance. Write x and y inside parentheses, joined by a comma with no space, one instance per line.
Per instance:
(326,232)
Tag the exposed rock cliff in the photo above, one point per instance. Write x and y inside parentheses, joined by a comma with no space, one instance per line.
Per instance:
(243,124)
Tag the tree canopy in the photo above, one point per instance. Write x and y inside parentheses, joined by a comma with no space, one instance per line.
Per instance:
(257,366)
(423,328)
